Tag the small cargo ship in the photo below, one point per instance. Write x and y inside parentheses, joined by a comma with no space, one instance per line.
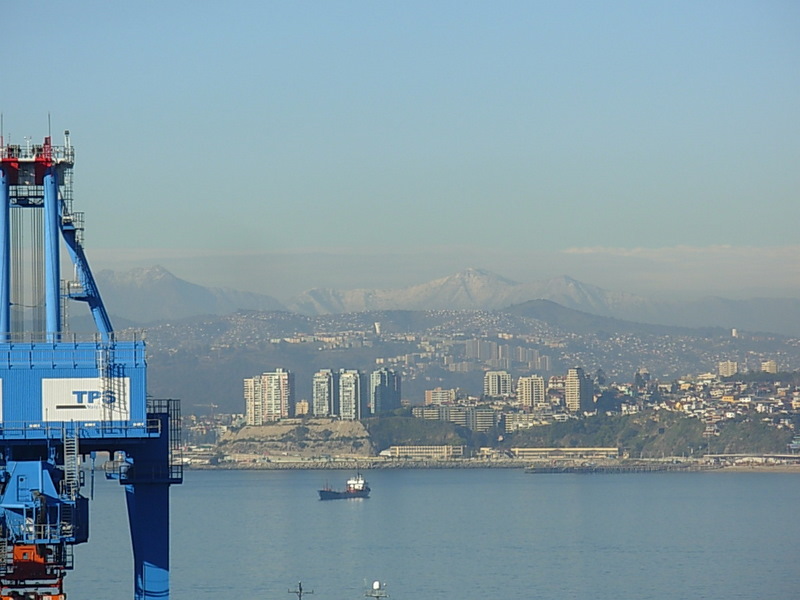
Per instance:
(356,487)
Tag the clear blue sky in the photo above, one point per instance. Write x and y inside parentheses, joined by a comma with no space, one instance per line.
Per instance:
(276,146)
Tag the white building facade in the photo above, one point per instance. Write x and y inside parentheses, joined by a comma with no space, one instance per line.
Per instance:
(349,395)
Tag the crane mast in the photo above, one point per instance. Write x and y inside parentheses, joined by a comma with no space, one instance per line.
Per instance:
(65,395)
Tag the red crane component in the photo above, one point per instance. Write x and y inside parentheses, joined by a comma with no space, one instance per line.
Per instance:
(32,576)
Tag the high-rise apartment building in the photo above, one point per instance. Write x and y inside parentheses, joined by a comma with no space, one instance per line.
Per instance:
(578,391)
(278,393)
(728,368)
(324,394)
(497,384)
(544,363)
(252,401)
(769,366)
(269,397)
(531,393)
(384,391)
(481,349)
(350,395)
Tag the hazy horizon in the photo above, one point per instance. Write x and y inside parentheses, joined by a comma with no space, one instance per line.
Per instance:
(275,147)
(647,274)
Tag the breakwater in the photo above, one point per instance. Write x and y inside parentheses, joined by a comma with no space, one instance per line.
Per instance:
(365,464)
(623,468)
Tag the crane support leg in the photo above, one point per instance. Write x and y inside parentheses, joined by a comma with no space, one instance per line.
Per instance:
(148,515)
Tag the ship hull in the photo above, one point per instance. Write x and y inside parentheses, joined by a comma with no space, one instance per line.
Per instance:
(339,495)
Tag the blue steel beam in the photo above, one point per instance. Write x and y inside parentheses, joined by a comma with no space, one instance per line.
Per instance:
(91,293)
(52,266)
(5,260)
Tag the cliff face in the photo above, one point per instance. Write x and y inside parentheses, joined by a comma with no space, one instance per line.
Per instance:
(313,438)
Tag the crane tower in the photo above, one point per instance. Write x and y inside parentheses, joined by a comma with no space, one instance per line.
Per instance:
(66,395)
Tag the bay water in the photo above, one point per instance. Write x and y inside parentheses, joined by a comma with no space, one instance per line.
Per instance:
(462,533)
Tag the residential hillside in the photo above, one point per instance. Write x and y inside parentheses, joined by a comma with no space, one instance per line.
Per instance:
(203,360)
(649,434)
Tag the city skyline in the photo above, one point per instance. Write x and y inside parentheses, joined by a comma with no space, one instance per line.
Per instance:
(270,147)
(349,394)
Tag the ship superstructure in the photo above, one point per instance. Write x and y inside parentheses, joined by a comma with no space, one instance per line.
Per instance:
(65,396)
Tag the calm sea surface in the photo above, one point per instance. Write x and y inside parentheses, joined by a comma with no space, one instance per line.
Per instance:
(462,534)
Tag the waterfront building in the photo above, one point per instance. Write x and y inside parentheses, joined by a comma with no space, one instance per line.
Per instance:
(278,394)
(324,394)
(384,391)
(426,452)
(572,453)
(252,401)
(269,397)
(578,391)
(350,395)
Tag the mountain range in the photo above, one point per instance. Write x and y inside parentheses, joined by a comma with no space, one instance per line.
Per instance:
(153,294)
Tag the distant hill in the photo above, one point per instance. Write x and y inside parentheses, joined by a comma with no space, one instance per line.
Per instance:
(475,289)
(471,289)
(154,294)
(582,323)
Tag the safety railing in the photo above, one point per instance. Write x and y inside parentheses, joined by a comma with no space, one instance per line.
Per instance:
(38,151)
(55,430)
(69,337)
(144,472)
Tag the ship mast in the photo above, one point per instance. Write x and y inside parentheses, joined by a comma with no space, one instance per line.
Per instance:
(299,591)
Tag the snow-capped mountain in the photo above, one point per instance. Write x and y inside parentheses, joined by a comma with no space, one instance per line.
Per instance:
(470,289)
(151,294)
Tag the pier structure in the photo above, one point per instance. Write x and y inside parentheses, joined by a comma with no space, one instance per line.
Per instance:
(68,396)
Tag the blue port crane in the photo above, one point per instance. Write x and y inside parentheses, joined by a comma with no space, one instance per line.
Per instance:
(67,395)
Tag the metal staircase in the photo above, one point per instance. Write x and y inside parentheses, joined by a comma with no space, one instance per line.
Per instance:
(71,482)
(112,388)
